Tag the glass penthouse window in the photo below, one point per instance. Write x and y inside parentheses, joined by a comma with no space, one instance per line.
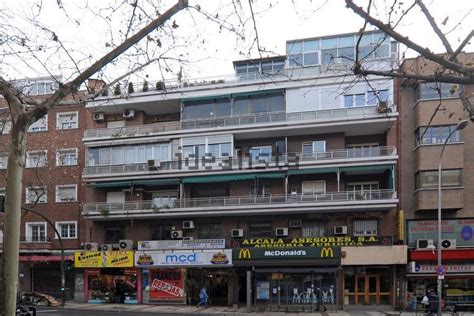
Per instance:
(338,49)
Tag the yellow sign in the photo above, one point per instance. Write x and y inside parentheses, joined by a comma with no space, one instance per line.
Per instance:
(103,259)
(244,254)
(327,252)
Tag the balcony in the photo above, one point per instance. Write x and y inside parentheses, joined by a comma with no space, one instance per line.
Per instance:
(244,121)
(294,203)
(275,162)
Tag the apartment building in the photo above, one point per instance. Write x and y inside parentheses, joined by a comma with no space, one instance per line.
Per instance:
(429,118)
(52,186)
(275,186)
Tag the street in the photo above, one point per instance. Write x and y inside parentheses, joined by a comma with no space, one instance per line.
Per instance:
(58,312)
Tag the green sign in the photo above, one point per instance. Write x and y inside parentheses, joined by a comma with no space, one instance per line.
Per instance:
(286,253)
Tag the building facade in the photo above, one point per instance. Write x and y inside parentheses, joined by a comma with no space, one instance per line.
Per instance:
(52,186)
(429,114)
(275,187)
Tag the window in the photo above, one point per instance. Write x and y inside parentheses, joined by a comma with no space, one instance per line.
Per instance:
(261,153)
(363,150)
(66,157)
(67,120)
(313,150)
(429,179)
(36,232)
(113,234)
(262,190)
(68,230)
(36,195)
(36,159)
(44,87)
(3,162)
(40,125)
(209,231)
(361,187)
(2,200)
(437,135)
(1,235)
(374,97)
(313,187)
(5,125)
(219,150)
(261,229)
(426,91)
(313,229)
(119,155)
(366,227)
(160,232)
(251,70)
(352,100)
(66,193)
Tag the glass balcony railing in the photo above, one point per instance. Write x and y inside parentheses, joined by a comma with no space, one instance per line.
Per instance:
(168,204)
(210,163)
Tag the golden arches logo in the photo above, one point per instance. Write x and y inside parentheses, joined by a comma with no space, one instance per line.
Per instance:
(244,254)
(327,252)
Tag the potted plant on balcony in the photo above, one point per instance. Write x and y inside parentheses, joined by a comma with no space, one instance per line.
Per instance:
(131,89)
(117,90)
(104,211)
(145,86)
(160,85)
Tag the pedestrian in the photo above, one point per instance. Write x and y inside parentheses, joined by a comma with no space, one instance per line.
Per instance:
(426,303)
(203,297)
(433,306)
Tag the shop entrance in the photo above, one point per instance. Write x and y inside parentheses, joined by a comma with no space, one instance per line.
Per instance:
(215,281)
(368,289)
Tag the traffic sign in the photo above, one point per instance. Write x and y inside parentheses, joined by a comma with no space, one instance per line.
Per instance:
(441,270)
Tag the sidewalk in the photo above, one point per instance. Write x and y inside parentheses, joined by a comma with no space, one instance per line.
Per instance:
(227,311)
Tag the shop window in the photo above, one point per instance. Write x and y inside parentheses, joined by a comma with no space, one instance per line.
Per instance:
(367,227)
(261,229)
(113,234)
(160,232)
(429,179)
(313,229)
(112,285)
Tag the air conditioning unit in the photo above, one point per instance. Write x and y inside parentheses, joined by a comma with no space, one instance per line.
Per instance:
(107,247)
(296,223)
(128,114)
(126,244)
(188,238)
(188,224)
(91,246)
(154,164)
(237,233)
(340,230)
(448,243)
(424,243)
(382,107)
(281,232)
(99,116)
(176,234)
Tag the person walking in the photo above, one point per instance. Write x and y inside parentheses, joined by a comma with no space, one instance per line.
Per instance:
(203,297)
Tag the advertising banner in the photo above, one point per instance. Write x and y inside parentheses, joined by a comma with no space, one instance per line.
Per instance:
(461,229)
(103,259)
(336,241)
(183,258)
(166,284)
(286,253)
(181,244)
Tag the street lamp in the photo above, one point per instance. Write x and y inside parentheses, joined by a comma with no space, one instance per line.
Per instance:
(461,125)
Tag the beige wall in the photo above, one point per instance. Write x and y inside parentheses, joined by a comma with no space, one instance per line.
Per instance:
(374,255)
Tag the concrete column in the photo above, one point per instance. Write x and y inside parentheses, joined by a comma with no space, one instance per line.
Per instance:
(338,181)
(249,291)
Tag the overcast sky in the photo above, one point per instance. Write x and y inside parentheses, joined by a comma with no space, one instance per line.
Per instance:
(210,49)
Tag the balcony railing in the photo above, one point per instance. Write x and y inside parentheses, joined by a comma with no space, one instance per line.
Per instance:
(256,118)
(35,239)
(210,163)
(167,204)
(128,131)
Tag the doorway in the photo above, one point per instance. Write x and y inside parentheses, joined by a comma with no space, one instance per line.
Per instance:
(370,289)
(216,283)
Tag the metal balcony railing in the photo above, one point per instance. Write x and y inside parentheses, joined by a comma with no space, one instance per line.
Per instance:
(229,163)
(158,205)
(35,239)
(256,118)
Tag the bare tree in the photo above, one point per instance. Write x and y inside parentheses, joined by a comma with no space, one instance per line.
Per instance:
(25,110)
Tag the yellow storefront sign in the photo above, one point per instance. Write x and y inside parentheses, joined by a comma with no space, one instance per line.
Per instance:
(103,259)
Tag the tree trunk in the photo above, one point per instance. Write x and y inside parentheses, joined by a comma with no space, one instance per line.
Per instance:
(11,242)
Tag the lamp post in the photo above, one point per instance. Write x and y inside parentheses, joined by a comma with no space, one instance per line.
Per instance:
(461,125)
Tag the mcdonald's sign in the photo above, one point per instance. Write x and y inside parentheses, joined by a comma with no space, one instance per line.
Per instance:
(244,253)
(327,252)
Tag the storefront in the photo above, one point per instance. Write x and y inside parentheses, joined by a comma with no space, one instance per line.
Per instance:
(457,259)
(109,276)
(173,273)
(300,278)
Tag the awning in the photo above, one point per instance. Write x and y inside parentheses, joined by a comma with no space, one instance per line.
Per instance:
(366,168)
(240,94)
(312,170)
(44,258)
(126,184)
(233,177)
